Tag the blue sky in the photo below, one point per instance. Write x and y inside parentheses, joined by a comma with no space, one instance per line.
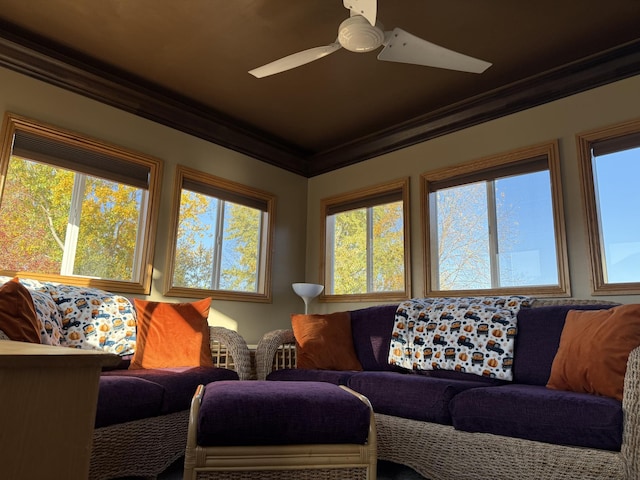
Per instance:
(618,196)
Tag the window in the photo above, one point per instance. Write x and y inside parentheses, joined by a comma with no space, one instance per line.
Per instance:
(222,232)
(75,209)
(495,225)
(366,244)
(609,161)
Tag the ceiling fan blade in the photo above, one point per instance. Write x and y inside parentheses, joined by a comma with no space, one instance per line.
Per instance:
(294,60)
(403,47)
(367,8)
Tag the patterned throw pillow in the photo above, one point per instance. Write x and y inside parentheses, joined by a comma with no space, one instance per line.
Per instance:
(49,317)
(94,319)
(46,311)
(473,335)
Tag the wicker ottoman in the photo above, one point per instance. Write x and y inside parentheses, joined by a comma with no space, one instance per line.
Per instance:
(280,430)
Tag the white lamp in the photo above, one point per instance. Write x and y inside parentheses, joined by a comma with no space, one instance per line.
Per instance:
(307,291)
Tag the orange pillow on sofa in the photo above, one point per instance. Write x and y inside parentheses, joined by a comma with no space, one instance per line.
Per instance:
(172,335)
(324,342)
(18,317)
(594,349)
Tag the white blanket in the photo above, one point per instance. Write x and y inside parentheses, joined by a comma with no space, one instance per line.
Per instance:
(469,334)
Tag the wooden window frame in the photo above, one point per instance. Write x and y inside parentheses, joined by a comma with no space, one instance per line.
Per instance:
(230,191)
(357,199)
(511,161)
(606,137)
(137,162)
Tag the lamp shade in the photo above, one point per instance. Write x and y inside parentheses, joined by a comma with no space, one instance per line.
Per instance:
(307,291)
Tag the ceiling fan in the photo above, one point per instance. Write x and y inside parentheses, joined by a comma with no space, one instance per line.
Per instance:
(361,32)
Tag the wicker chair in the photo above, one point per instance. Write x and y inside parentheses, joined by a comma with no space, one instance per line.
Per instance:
(440,452)
(145,448)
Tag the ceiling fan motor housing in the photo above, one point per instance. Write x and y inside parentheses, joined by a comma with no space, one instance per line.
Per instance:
(358,35)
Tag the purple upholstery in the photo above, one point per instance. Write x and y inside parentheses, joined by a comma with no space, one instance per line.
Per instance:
(337,377)
(124,399)
(280,413)
(179,383)
(372,329)
(537,413)
(454,375)
(539,331)
(417,397)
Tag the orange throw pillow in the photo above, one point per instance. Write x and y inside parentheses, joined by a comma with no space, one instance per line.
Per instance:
(594,349)
(172,335)
(18,317)
(324,342)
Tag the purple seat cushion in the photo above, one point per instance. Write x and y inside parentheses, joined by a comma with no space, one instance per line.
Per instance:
(541,414)
(280,413)
(539,331)
(337,377)
(372,329)
(179,383)
(417,397)
(123,399)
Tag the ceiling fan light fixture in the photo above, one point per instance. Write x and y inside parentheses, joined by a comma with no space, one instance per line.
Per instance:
(356,34)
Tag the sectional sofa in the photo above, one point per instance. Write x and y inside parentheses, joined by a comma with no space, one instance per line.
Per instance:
(451,425)
(142,414)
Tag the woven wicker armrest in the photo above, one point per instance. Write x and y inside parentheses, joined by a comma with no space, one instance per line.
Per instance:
(631,410)
(229,350)
(276,349)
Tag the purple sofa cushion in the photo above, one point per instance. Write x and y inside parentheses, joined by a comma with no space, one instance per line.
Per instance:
(179,383)
(417,397)
(124,399)
(539,331)
(541,414)
(372,329)
(280,413)
(337,377)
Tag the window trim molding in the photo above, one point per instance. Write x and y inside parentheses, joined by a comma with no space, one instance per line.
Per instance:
(13,122)
(584,142)
(377,191)
(551,151)
(183,173)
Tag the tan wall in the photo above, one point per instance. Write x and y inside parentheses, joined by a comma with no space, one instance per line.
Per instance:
(558,120)
(31,98)
(295,260)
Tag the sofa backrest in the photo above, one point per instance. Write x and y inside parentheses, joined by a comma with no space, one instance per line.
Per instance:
(538,339)
(539,331)
(371,329)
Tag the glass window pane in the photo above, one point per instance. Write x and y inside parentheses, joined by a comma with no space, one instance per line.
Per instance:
(218,244)
(240,248)
(196,237)
(388,248)
(526,242)
(108,233)
(38,212)
(34,215)
(349,261)
(462,245)
(617,197)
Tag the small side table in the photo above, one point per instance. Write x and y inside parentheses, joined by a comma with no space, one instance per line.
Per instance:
(48,398)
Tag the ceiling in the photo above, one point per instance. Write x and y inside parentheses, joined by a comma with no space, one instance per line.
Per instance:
(184,64)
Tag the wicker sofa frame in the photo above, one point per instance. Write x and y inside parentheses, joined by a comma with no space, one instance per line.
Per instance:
(440,452)
(145,448)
